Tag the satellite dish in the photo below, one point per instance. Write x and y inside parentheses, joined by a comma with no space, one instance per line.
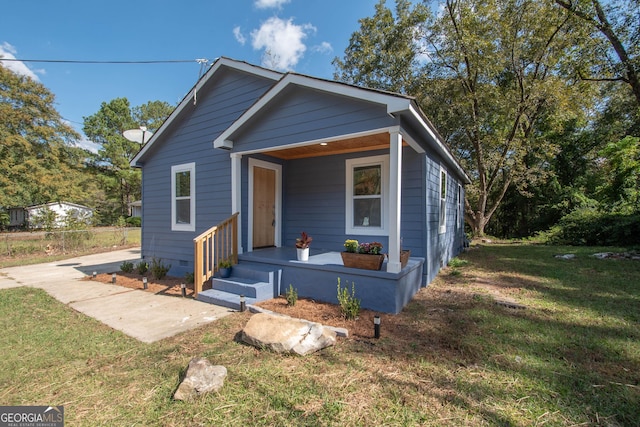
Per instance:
(140,136)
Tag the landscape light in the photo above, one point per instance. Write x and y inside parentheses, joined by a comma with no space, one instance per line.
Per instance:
(243,305)
(376,326)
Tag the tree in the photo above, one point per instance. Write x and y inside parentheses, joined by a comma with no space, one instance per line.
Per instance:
(38,160)
(616,57)
(491,80)
(121,182)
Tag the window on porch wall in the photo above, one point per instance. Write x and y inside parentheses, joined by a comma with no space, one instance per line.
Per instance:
(183,197)
(443,202)
(367,188)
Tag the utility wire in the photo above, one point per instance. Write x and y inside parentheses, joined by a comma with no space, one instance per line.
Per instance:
(66,61)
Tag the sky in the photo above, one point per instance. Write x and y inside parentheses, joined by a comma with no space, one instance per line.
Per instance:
(286,35)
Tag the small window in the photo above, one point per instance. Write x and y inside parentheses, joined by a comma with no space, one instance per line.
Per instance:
(460,211)
(367,190)
(443,202)
(183,197)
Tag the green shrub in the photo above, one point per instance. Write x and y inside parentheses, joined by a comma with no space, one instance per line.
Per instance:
(457,262)
(588,227)
(349,304)
(142,267)
(126,267)
(159,269)
(189,277)
(292,296)
(134,221)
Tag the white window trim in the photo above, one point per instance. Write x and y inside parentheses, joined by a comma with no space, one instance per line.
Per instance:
(442,212)
(350,229)
(460,207)
(191,168)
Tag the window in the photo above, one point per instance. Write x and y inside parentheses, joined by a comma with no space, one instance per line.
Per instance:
(460,211)
(367,189)
(443,202)
(183,197)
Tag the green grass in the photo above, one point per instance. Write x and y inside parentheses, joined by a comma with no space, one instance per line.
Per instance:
(571,358)
(24,248)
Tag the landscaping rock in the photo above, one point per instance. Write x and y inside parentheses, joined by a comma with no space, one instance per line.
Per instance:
(566,256)
(202,377)
(286,335)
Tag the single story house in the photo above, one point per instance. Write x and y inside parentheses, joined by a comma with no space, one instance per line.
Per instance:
(135,209)
(33,216)
(252,157)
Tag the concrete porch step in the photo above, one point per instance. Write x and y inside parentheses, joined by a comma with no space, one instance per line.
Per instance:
(224,299)
(243,286)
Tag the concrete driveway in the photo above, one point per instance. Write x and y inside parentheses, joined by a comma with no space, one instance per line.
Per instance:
(139,314)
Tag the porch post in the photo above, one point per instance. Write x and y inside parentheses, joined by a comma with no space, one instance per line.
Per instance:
(236,193)
(395,210)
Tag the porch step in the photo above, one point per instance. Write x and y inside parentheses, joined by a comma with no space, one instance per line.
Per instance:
(224,299)
(256,282)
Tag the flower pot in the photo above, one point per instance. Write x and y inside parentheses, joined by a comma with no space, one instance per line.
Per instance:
(404,258)
(225,272)
(365,261)
(303,254)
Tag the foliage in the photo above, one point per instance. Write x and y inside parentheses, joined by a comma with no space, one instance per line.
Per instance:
(134,221)
(349,304)
(121,182)
(621,187)
(126,267)
(373,248)
(457,262)
(142,267)
(593,228)
(291,296)
(225,263)
(158,269)
(303,241)
(39,161)
(351,245)
(189,277)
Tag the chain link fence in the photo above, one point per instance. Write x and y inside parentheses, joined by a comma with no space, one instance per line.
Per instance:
(19,244)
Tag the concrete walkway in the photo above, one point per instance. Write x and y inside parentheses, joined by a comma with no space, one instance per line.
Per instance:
(139,314)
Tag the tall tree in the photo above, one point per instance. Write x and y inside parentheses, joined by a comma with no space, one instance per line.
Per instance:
(122,183)
(490,79)
(617,51)
(39,162)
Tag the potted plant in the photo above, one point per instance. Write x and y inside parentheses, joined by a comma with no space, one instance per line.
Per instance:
(224,268)
(362,255)
(302,246)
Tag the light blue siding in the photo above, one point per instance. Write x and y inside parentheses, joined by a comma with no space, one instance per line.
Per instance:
(190,139)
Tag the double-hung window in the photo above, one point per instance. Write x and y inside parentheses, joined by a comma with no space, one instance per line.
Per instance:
(183,197)
(367,195)
(442,223)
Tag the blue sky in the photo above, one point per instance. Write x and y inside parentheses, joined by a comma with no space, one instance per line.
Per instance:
(287,35)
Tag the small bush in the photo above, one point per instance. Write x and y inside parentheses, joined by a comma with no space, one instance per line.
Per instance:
(189,277)
(292,296)
(587,227)
(349,304)
(134,221)
(126,267)
(457,262)
(142,267)
(159,269)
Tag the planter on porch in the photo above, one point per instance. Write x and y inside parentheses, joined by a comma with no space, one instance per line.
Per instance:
(366,261)
(404,258)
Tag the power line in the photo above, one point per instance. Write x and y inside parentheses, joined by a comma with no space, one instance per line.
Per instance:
(68,61)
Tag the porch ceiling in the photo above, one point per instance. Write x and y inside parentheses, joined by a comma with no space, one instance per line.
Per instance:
(339,146)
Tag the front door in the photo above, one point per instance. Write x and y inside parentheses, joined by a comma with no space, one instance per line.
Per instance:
(264,207)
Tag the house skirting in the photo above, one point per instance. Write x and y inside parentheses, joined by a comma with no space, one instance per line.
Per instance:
(318,278)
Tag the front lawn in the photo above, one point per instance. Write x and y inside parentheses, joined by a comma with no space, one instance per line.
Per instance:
(452,357)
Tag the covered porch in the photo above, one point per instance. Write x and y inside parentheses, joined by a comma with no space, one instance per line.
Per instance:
(318,277)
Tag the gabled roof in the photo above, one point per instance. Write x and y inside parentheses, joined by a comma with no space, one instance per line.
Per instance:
(394,103)
(191,96)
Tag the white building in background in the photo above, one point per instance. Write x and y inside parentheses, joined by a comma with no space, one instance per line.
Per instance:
(30,217)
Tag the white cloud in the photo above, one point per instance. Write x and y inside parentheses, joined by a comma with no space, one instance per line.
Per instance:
(267,4)
(324,47)
(281,41)
(9,52)
(240,38)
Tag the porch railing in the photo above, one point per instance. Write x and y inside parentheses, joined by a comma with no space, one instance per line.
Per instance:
(217,243)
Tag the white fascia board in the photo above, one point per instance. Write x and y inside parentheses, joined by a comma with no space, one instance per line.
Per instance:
(441,147)
(226,62)
(394,104)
